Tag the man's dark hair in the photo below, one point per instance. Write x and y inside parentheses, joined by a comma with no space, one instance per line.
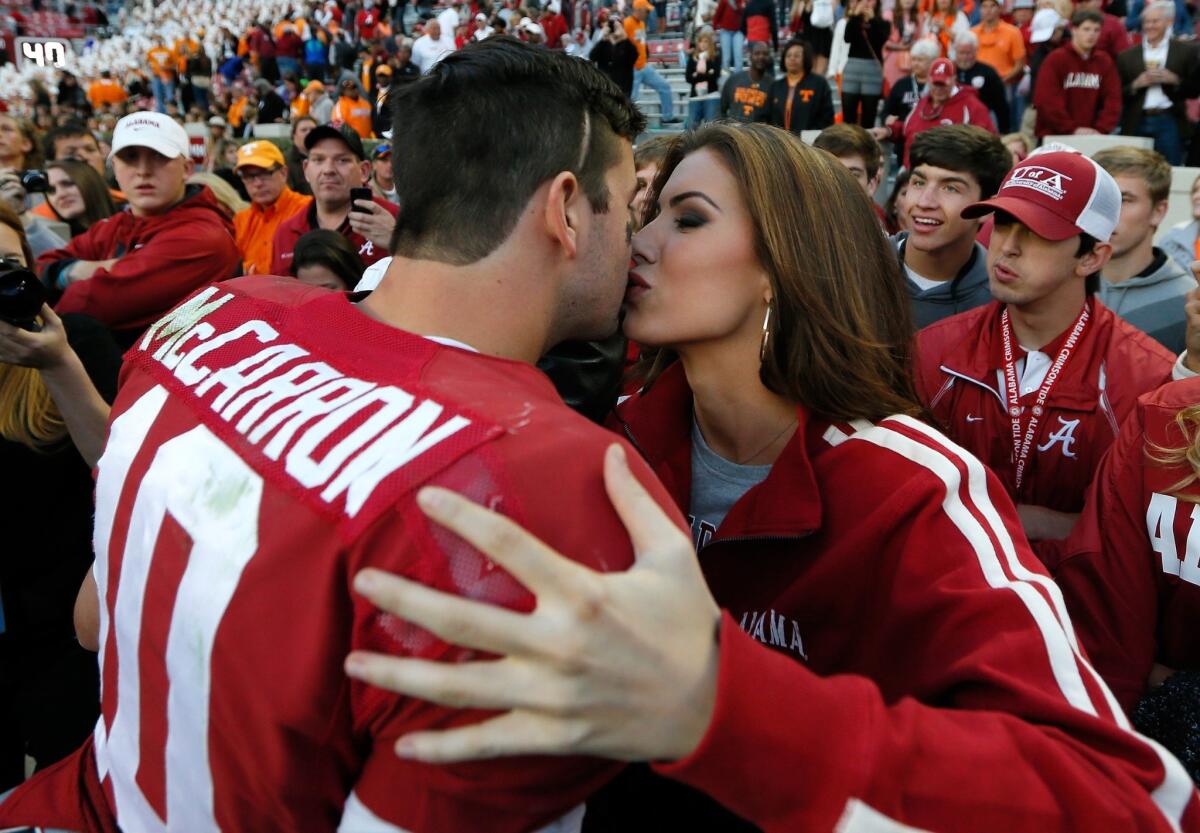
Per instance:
(1087,16)
(964,148)
(70,130)
(488,126)
(844,140)
(806,51)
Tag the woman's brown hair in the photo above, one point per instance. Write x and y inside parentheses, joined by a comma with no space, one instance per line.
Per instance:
(28,414)
(97,200)
(841,329)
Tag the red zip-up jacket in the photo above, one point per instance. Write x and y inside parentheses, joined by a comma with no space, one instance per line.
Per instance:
(161,261)
(960,378)
(1073,91)
(892,652)
(963,107)
(1130,571)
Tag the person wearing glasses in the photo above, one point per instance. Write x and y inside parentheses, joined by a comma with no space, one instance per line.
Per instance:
(263,170)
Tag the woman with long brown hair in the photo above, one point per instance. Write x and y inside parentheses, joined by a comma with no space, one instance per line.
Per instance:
(78,195)
(887,636)
(49,699)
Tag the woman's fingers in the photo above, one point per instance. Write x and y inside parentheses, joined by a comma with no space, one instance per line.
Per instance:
(540,569)
(499,684)
(514,733)
(453,619)
(650,528)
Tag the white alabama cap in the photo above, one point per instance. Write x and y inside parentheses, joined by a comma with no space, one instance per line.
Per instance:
(147,129)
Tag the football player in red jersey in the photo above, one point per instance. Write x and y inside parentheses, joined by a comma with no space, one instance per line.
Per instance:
(266,445)
(892,656)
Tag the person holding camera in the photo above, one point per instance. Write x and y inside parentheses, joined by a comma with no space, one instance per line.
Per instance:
(50,698)
(44,235)
(616,55)
(338,172)
(129,269)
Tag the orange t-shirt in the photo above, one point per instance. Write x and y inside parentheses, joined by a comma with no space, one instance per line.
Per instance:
(357,114)
(636,31)
(163,62)
(300,107)
(1000,48)
(237,112)
(105,91)
(254,229)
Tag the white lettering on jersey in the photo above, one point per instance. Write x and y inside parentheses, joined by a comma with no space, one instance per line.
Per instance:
(771,628)
(367,249)
(1065,435)
(214,496)
(287,404)
(1082,80)
(1160,526)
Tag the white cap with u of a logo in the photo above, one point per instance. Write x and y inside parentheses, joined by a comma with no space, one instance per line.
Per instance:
(156,131)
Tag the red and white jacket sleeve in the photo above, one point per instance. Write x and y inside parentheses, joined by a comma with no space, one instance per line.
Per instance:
(1006,726)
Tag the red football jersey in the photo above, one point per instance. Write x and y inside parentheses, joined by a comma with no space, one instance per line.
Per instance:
(266,445)
(1130,571)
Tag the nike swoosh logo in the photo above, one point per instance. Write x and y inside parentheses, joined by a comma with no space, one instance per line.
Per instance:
(971,418)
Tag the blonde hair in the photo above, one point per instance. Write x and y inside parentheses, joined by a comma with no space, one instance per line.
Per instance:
(225,193)
(1186,455)
(28,414)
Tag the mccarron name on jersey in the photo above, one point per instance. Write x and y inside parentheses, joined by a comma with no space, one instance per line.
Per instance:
(335,435)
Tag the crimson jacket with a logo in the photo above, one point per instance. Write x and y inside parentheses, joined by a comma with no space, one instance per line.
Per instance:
(160,261)
(1130,570)
(1073,91)
(292,229)
(892,652)
(960,378)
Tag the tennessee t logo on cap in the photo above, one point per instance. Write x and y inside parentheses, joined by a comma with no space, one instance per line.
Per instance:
(1057,193)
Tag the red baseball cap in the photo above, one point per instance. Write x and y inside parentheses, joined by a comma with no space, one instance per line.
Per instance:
(942,71)
(1057,193)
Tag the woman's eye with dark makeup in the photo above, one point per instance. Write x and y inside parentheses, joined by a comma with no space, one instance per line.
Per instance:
(689,220)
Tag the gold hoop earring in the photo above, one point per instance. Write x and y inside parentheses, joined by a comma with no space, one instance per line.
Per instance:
(766,334)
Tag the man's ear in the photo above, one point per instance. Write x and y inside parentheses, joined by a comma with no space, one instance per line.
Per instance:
(365,167)
(564,212)
(1094,260)
(1158,214)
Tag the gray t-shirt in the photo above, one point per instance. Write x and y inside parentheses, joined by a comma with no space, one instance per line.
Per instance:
(717,484)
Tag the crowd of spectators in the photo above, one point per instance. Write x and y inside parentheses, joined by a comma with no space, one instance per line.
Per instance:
(278,145)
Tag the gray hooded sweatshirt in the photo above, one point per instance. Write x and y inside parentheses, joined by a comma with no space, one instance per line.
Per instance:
(1153,300)
(968,289)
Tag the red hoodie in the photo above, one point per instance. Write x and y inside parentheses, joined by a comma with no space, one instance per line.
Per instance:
(963,107)
(161,260)
(1073,91)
